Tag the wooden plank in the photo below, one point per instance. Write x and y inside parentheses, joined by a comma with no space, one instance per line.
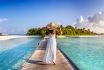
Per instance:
(35,61)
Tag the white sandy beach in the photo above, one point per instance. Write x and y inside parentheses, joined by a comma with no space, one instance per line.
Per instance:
(60,36)
(14,36)
(86,36)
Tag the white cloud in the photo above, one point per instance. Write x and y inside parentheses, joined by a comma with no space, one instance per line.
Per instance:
(3,20)
(95,23)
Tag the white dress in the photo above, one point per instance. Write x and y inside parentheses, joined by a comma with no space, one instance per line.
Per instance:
(50,55)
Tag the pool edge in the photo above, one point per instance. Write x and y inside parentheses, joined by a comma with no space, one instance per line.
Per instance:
(69,60)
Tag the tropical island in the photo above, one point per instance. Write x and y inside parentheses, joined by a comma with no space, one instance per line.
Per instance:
(65,30)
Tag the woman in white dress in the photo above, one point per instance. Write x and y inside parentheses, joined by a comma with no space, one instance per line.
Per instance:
(50,55)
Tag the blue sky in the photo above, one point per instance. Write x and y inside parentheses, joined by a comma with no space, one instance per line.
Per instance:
(17,16)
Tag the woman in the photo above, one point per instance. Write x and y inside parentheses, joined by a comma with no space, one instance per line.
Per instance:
(50,55)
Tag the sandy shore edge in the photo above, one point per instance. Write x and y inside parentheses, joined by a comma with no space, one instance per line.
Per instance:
(14,36)
(59,36)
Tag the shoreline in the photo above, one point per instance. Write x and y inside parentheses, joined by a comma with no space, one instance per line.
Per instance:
(79,36)
(14,36)
(7,37)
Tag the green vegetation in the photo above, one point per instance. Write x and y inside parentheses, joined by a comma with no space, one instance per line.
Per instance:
(37,31)
(67,30)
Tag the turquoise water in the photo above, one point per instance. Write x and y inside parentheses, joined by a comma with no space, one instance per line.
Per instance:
(14,52)
(86,53)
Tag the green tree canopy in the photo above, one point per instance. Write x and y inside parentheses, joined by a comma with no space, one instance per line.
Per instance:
(64,30)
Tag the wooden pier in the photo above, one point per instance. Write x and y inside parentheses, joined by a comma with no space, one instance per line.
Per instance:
(35,61)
